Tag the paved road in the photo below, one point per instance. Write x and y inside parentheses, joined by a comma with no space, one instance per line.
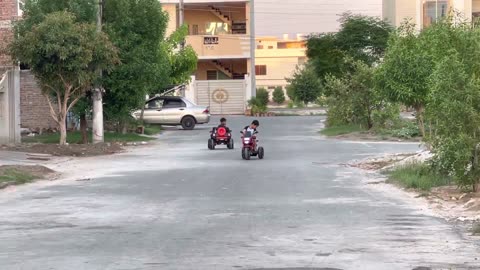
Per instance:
(177,205)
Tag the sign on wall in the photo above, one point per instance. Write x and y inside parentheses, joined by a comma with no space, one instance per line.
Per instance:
(210,40)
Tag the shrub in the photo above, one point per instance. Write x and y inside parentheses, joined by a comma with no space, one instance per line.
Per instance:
(278,95)
(256,106)
(262,97)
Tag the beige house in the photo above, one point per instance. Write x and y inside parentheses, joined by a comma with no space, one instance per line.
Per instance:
(425,12)
(219,32)
(276,59)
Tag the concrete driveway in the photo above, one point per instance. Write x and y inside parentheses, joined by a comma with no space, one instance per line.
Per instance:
(178,205)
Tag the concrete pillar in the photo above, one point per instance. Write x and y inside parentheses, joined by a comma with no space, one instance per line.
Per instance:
(248,89)
(10,107)
(15,134)
(190,91)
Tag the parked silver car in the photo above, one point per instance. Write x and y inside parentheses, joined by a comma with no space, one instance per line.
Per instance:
(171,110)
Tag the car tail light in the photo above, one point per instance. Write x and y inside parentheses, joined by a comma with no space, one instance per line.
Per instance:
(206,111)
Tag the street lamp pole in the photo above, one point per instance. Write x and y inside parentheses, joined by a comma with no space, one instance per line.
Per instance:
(252,48)
(97,119)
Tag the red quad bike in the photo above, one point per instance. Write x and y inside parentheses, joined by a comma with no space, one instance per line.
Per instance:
(249,148)
(218,136)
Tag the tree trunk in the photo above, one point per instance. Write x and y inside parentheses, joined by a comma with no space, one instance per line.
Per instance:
(63,131)
(421,123)
(83,128)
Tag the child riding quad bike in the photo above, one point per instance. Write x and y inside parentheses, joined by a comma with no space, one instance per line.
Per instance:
(220,135)
(249,140)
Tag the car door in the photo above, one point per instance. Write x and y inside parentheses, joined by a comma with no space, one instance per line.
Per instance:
(153,113)
(173,110)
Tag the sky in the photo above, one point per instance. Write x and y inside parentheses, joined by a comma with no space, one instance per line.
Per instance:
(278,17)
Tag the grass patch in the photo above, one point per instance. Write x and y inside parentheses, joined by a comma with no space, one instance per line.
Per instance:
(16,176)
(418,176)
(341,130)
(405,129)
(153,130)
(76,137)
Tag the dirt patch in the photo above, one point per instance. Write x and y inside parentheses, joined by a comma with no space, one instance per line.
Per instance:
(73,150)
(450,202)
(455,204)
(379,163)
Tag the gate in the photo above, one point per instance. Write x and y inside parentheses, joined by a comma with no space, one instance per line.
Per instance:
(223,96)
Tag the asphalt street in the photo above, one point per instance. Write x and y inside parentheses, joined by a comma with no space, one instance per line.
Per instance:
(177,205)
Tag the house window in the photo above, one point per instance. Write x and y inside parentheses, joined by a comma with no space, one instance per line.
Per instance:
(270,47)
(261,70)
(260,47)
(433,10)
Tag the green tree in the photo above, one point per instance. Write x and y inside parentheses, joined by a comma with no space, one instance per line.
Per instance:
(137,29)
(404,74)
(34,11)
(455,110)
(63,54)
(278,95)
(324,55)
(354,99)
(305,85)
(362,38)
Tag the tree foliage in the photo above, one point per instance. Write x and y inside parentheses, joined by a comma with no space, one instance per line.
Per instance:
(137,28)
(35,11)
(362,38)
(354,100)
(183,61)
(63,54)
(304,86)
(404,74)
(455,110)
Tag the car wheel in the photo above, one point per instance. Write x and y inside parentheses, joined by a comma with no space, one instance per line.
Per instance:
(230,144)
(246,153)
(261,152)
(188,123)
(211,144)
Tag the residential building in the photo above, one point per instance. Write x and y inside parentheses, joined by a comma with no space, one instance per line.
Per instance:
(425,12)
(276,59)
(219,32)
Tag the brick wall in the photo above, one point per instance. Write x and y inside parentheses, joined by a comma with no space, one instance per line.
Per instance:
(34,109)
(8,13)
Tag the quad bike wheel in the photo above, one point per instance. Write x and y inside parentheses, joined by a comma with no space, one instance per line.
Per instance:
(243,153)
(246,153)
(230,144)
(211,144)
(261,152)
